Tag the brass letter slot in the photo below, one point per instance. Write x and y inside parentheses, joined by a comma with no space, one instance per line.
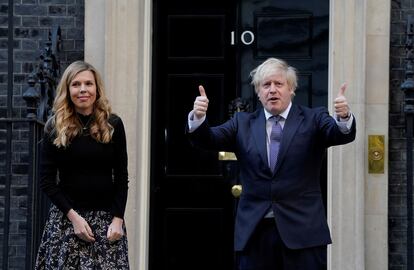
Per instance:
(376,153)
(226,156)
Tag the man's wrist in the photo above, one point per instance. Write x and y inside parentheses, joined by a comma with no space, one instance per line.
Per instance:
(343,119)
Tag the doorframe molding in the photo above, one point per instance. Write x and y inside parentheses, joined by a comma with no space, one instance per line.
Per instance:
(118,42)
(346,163)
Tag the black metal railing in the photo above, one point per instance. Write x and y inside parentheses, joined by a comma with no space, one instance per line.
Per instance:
(39,98)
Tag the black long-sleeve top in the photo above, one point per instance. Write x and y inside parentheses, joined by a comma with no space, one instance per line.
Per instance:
(86,174)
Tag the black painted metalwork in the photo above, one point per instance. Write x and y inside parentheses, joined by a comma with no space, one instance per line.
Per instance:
(238,105)
(39,108)
(48,74)
(37,204)
(408,87)
(31,96)
(39,99)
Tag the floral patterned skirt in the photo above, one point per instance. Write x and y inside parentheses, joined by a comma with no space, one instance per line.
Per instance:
(61,249)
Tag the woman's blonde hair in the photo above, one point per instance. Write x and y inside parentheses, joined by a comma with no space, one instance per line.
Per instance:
(65,123)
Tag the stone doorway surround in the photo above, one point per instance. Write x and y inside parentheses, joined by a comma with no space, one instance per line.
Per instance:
(118,42)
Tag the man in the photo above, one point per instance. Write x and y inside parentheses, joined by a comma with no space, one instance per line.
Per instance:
(280,222)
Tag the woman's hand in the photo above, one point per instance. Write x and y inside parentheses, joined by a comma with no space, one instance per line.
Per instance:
(80,226)
(115,230)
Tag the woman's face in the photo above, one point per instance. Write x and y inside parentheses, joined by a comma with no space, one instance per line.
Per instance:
(83,92)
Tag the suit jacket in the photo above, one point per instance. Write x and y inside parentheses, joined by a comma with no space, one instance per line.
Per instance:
(293,189)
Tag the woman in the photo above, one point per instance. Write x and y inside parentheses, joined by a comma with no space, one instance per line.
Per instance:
(84,173)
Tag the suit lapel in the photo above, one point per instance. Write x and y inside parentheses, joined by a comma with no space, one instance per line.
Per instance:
(258,125)
(292,123)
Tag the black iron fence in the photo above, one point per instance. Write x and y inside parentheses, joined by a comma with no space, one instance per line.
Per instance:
(16,130)
(20,140)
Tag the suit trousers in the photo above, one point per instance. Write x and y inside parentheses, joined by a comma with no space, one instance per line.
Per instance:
(266,251)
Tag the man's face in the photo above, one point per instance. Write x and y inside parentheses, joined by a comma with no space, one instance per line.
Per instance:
(274,93)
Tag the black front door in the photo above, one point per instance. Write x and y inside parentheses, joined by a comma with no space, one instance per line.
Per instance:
(216,43)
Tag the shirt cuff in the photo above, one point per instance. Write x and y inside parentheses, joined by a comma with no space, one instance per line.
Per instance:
(194,123)
(345,124)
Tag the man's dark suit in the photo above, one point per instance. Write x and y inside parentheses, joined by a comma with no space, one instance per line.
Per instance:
(293,189)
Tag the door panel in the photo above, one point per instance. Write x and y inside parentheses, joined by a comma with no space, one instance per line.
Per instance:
(216,43)
(191,204)
(180,102)
(296,31)
(205,35)
(180,223)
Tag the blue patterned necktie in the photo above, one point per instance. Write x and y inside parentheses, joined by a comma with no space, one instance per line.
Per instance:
(275,136)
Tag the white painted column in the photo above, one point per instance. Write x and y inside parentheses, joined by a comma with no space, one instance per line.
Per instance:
(118,43)
(377,110)
(346,164)
(358,201)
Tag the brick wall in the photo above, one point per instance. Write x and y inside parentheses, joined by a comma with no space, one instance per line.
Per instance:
(397,215)
(32,21)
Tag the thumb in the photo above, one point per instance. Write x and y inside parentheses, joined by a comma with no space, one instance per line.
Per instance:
(342,89)
(108,234)
(202,91)
(89,230)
